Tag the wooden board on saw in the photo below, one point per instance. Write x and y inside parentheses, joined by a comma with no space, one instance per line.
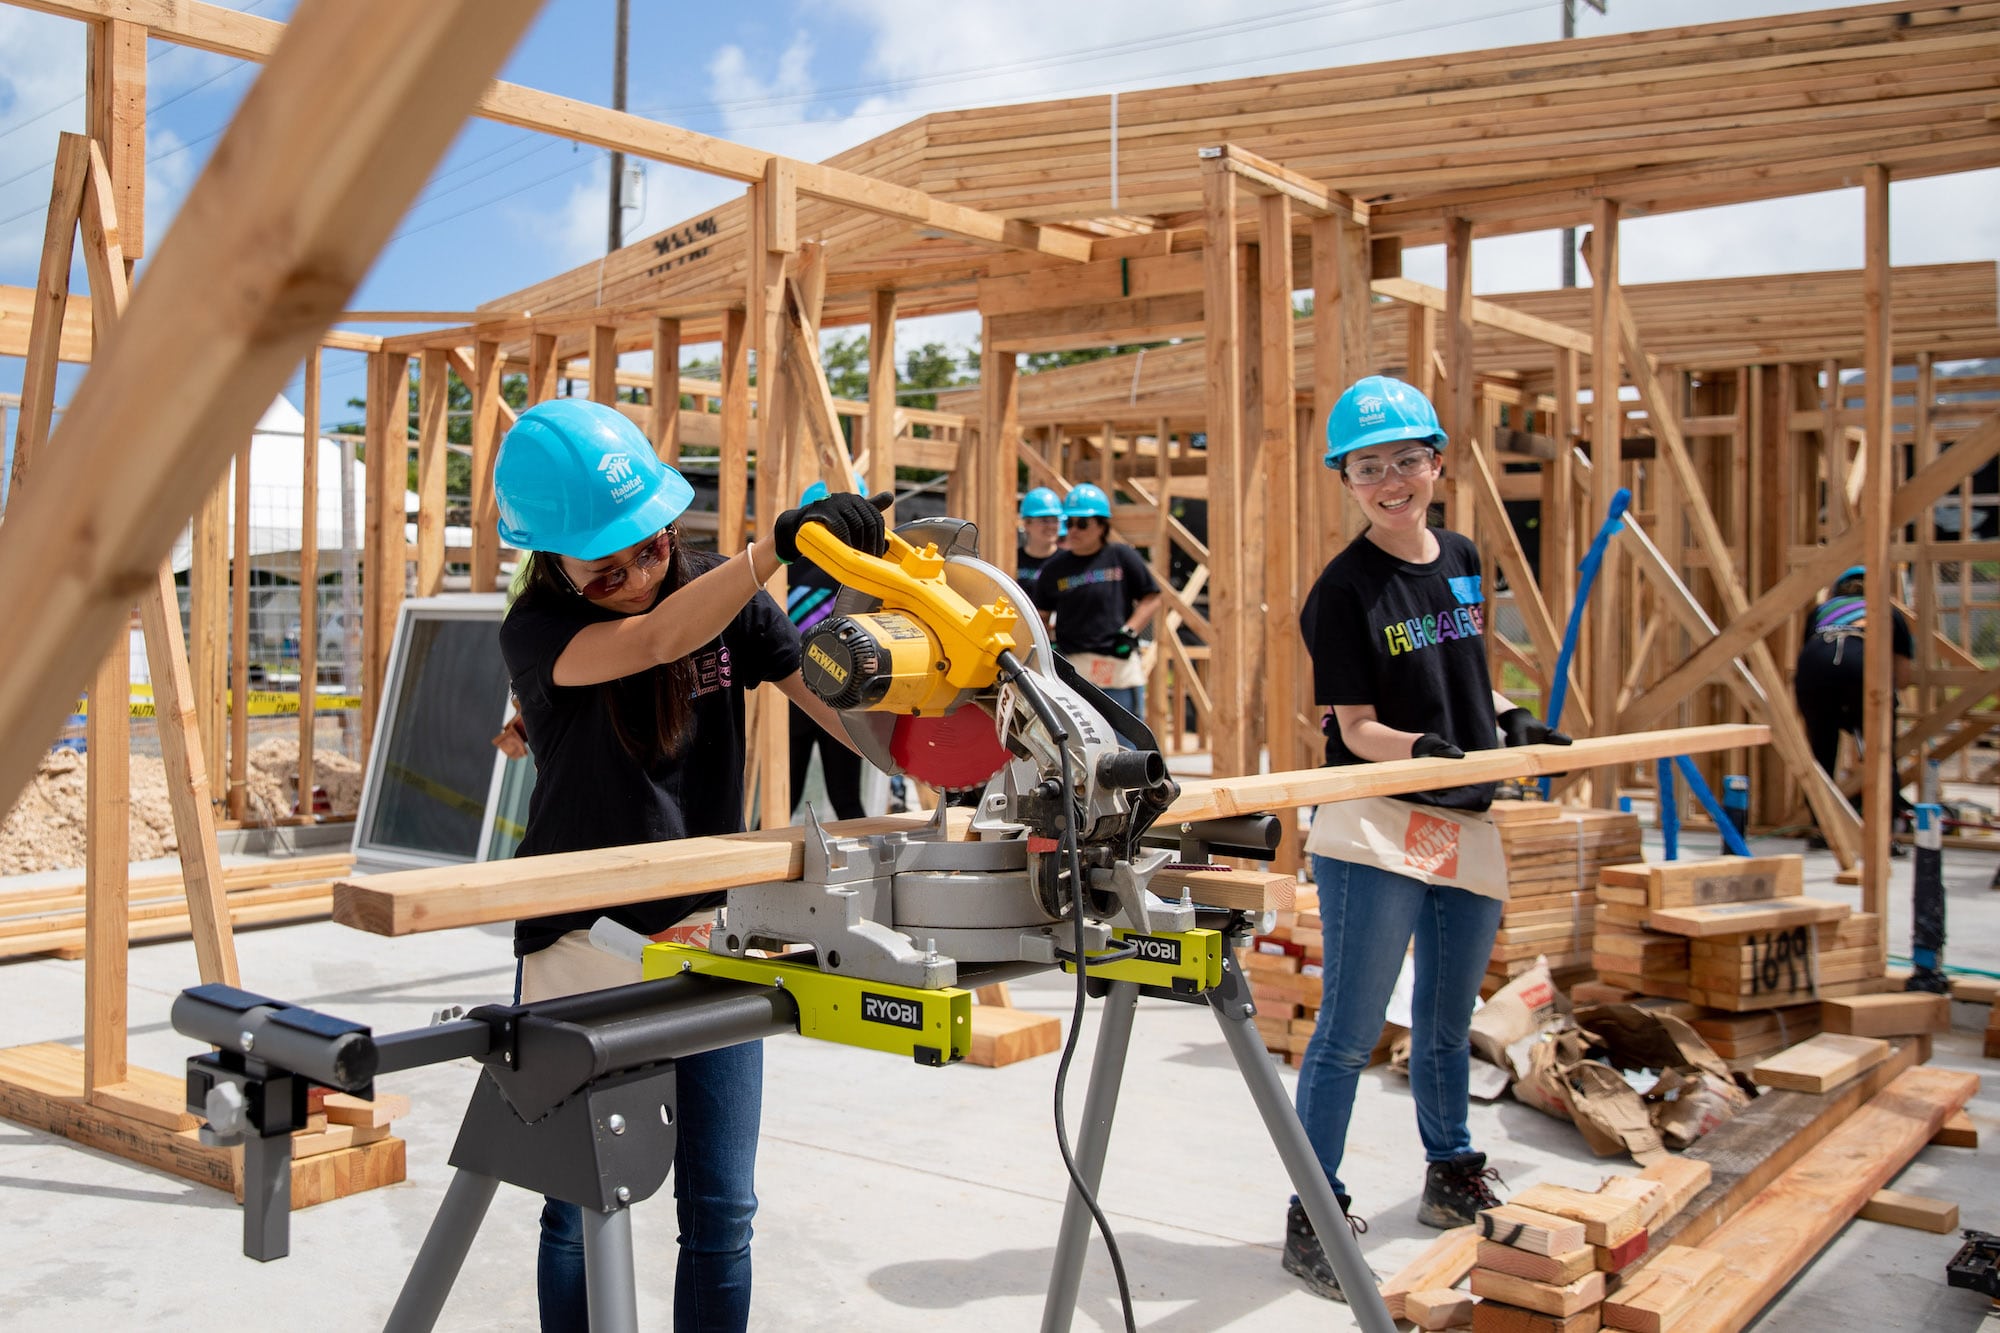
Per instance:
(1003,1036)
(1821,1062)
(42,1086)
(1729,879)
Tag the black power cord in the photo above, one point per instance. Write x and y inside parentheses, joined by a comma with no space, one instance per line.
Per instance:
(1011,666)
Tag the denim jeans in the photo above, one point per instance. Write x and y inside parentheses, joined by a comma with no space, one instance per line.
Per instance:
(721,1100)
(1368,916)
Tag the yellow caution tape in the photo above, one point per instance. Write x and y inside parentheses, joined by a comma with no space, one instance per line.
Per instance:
(262,703)
(436,790)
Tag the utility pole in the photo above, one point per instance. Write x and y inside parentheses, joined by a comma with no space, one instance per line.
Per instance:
(617,231)
(1569,233)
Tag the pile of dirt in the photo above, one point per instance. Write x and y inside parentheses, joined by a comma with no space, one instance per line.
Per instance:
(45,829)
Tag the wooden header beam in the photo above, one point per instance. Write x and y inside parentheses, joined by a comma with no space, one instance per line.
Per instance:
(227,32)
(1267,177)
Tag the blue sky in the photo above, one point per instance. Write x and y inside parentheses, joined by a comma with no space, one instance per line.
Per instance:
(507,207)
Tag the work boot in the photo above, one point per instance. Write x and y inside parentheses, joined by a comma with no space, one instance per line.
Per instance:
(1456,1190)
(1305,1257)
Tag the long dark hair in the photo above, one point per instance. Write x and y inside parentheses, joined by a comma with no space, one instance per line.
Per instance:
(652,712)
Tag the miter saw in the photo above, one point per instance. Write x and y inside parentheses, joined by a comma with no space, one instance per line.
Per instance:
(941,670)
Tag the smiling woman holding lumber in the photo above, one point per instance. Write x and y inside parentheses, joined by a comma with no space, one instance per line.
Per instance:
(1395,627)
(630,654)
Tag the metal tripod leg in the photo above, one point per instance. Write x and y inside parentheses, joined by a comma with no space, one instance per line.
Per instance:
(1107,1071)
(443,1253)
(607,1271)
(1233,1011)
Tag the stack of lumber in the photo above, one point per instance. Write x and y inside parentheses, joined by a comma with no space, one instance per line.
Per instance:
(49,918)
(1549,1257)
(1751,1033)
(336,1120)
(1283,968)
(1822,1063)
(1554,856)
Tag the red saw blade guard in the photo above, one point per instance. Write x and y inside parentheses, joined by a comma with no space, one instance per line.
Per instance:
(949,753)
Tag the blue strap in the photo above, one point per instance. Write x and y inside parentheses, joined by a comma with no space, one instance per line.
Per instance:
(1670,812)
(1731,839)
(1586,575)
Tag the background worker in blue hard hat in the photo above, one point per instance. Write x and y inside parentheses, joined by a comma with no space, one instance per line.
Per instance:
(809,596)
(1395,627)
(630,653)
(1097,594)
(1828,683)
(1041,530)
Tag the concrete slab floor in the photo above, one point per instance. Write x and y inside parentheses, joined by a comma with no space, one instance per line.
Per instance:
(893,1197)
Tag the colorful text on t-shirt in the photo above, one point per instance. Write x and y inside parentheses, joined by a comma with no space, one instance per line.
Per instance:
(1419,632)
(711,669)
(1103,574)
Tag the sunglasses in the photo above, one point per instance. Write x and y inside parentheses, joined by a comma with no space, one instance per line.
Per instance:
(606,582)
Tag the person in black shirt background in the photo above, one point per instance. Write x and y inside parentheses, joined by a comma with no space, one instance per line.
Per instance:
(1828,683)
(1041,529)
(629,654)
(1098,594)
(809,596)
(1395,627)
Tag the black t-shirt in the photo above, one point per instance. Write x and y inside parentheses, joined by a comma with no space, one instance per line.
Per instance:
(1027,567)
(1092,596)
(1409,639)
(590,791)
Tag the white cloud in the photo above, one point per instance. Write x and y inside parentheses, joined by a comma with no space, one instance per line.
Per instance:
(41,69)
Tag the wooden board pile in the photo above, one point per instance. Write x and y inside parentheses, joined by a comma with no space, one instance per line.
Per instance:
(1557,1260)
(1554,858)
(1283,968)
(1737,940)
(49,917)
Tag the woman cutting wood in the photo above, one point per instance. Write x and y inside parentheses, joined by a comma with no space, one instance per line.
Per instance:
(630,653)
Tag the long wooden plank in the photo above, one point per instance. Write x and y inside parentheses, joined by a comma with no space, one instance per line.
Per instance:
(293,207)
(1740,918)
(1794,1217)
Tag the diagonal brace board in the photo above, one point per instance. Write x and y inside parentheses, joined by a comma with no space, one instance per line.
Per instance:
(297,200)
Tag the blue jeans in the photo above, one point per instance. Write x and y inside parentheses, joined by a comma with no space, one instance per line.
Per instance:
(1131,698)
(1368,916)
(721,1100)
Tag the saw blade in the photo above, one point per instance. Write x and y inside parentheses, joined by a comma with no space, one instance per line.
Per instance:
(949,753)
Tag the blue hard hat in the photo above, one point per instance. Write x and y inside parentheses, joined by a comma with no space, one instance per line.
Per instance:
(816,491)
(1380,410)
(1851,572)
(1086,501)
(577,478)
(1041,503)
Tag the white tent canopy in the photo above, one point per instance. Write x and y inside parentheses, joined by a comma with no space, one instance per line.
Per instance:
(277,492)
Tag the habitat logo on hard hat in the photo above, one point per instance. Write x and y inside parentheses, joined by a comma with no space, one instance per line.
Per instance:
(617,469)
(1373,410)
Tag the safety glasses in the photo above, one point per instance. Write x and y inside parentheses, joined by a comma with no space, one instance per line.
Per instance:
(1374,471)
(606,582)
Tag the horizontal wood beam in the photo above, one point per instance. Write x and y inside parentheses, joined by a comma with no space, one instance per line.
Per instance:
(1267,177)
(1488,313)
(227,32)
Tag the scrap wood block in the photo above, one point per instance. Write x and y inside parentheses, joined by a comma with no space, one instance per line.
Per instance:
(1528,1229)
(1767,1242)
(1911,1210)
(1500,1317)
(1002,1036)
(1821,1062)
(1582,1294)
(1684,1177)
(344,1109)
(1606,1218)
(1740,918)
(1728,879)
(1555,1269)
(1443,1264)
(1958,1132)
(1438,1308)
(311,1143)
(1617,1258)
(1652,1196)
(1656,1297)
(1895,1014)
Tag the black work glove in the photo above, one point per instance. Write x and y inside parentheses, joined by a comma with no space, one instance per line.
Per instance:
(856,520)
(1126,643)
(1430,745)
(1518,726)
